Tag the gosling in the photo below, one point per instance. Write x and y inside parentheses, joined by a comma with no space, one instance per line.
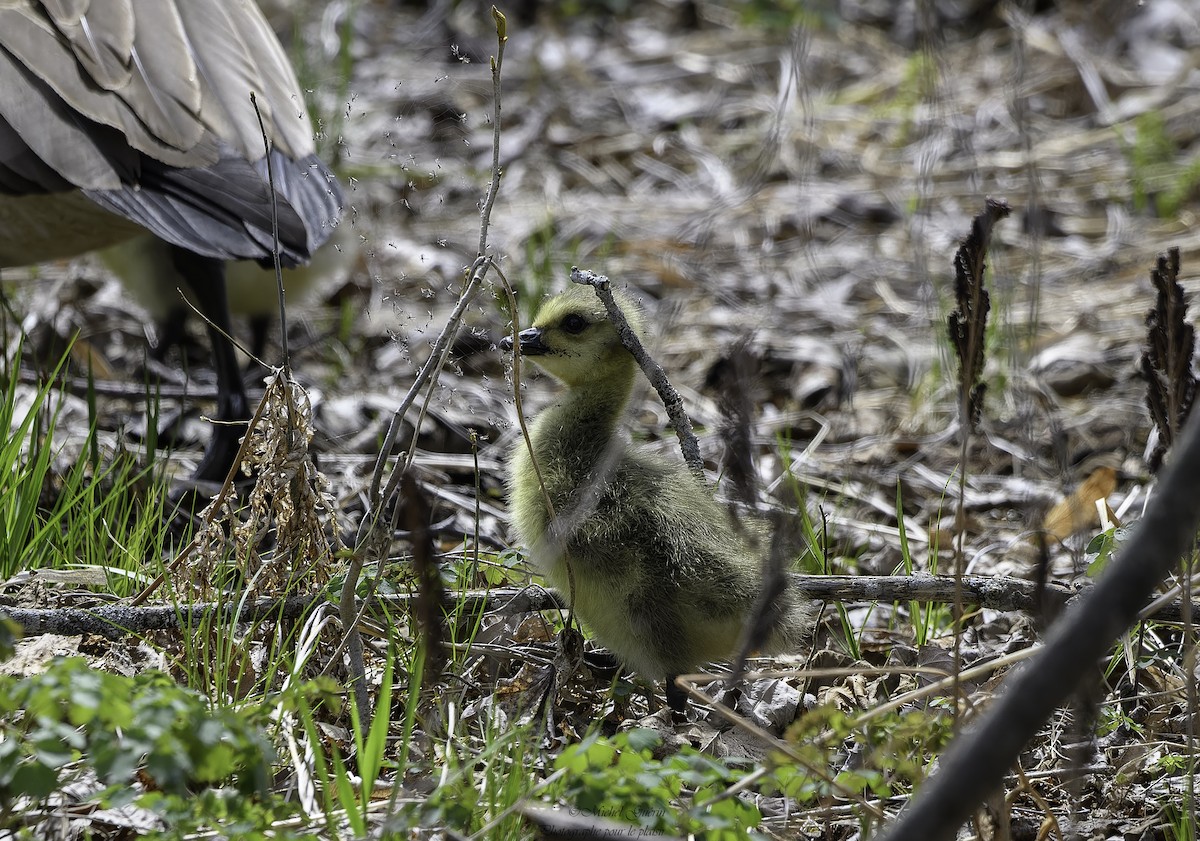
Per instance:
(649,560)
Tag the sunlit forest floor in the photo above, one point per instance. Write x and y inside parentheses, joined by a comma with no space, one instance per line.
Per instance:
(794,183)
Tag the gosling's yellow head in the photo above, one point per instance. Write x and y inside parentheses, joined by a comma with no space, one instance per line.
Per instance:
(572,339)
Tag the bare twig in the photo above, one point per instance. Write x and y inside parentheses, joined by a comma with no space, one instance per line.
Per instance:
(533,459)
(475,276)
(119,620)
(654,372)
(994,592)
(283,333)
(371,543)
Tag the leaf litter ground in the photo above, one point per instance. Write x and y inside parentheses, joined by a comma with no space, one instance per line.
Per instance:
(799,193)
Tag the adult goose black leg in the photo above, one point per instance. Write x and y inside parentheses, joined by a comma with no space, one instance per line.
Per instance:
(206,278)
(126,118)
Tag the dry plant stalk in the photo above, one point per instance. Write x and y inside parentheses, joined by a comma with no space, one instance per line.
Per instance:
(968,321)
(767,611)
(431,594)
(1170,392)
(733,377)
(1167,357)
(968,328)
(290,498)
(371,543)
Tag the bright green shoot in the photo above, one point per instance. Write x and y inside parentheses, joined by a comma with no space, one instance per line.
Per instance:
(816,560)
(103,515)
(922,616)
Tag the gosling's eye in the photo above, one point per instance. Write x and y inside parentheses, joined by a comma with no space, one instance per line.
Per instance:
(574,323)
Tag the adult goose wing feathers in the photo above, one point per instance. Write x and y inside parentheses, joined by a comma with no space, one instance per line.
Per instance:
(143,106)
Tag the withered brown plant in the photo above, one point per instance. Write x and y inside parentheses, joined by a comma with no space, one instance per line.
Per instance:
(431,594)
(968,321)
(733,378)
(1167,357)
(291,501)
(968,328)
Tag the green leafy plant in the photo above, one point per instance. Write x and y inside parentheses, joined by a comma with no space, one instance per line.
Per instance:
(47,517)
(815,560)
(72,719)
(783,15)
(925,618)
(1160,184)
(1181,824)
(891,752)
(478,787)
(620,779)
(25,462)
(1103,547)
(351,802)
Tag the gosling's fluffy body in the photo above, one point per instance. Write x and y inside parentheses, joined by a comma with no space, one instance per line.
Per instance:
(660,575)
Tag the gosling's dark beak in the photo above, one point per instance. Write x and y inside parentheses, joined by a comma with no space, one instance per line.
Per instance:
(532,342)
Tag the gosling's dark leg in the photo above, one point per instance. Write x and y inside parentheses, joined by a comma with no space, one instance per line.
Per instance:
(206,278)
(260,325)
(676,698)
(172,332)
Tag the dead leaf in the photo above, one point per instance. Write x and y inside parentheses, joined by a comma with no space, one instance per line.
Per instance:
(1078,511)
(90,358)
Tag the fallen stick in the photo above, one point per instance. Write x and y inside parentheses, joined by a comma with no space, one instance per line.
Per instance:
(115,620)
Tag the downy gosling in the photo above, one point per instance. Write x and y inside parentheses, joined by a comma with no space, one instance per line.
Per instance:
(660,575)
